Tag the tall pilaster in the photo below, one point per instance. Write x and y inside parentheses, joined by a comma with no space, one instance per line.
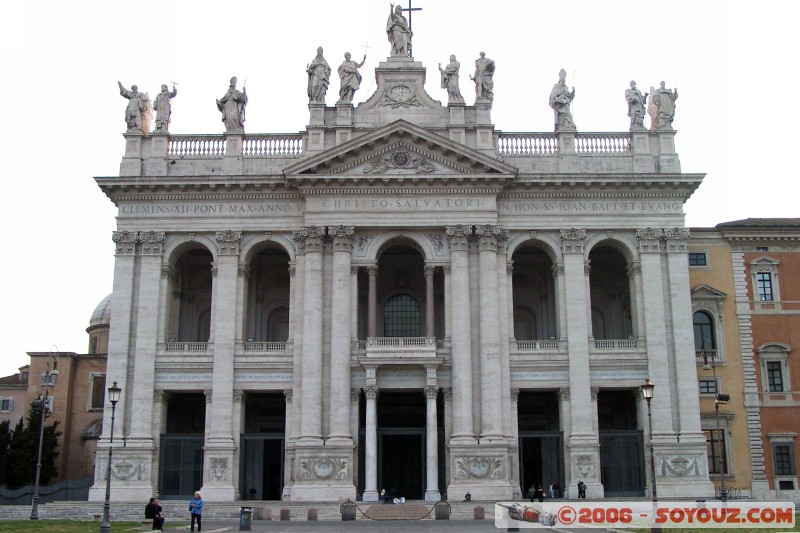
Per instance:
(463,431)
(683,377)
(340,337)
(583,441)
(119,353)
(492,391)
(219,444)
(141,434)
(651,251)
(431,446)
(311,412)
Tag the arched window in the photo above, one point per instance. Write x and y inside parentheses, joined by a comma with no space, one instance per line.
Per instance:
(401,317)
(703,331)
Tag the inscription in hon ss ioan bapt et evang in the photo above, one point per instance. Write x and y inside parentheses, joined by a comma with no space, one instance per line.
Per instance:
(510,207)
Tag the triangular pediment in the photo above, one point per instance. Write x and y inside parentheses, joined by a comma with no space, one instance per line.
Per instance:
(400,151)
(705,292)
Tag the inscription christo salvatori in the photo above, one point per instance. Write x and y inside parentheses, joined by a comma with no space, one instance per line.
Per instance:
(265,209)
(402,203)
(533,206)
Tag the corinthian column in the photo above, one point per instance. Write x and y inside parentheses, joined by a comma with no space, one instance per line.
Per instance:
(429,271)
(311,410)
(463,431)
(340,335)
(431,446)
(491,377)
(372,300)
(371,448)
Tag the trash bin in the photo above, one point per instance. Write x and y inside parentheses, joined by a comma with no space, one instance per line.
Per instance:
(245,518)
(442,510)
(348,510)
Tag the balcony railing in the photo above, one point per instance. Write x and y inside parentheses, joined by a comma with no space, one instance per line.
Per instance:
(547,143)
(401,347)
(185,346)
(264,346)
(535,345)
(702,353)
(615,344)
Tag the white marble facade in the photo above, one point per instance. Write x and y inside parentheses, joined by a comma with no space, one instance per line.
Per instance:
(538,263)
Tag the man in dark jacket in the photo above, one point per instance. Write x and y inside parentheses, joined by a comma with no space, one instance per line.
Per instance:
(153,511)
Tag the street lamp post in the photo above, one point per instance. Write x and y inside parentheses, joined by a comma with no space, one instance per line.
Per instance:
(723,494)
(113,397)
(42,405)
(647,393)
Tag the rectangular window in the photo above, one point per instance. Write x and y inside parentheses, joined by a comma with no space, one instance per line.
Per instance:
(98,392)
(783,459)
(708,386)
(7,404)
(764,286)
(697,259)
(715,444)
(775,376)
(762,249)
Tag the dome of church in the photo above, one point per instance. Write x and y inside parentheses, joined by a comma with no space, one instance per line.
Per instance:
(102,313)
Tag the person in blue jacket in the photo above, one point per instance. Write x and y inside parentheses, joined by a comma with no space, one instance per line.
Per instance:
(196,508)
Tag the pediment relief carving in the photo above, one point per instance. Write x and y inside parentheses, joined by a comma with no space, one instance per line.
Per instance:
(400,150)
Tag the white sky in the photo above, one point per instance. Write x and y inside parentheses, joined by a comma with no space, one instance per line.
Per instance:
(64,115)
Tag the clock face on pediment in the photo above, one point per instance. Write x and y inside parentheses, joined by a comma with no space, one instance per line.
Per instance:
(400,150)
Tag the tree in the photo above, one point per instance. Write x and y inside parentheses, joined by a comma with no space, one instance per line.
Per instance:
(5,442)
(23,451)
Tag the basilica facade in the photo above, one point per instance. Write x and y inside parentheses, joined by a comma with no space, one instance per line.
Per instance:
(401,296)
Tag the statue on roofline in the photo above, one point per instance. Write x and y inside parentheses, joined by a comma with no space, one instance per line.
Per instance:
(662,107)
(560,100)
(139,111)
(232,106)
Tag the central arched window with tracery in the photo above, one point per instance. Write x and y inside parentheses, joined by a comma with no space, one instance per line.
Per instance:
(401,317)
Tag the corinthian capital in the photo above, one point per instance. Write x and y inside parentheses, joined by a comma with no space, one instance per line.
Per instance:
(677,239)
(342,238)
(310,237)
(152,242)
(572,240)
(458,237)
(229,242)
(125,242)
(650,239)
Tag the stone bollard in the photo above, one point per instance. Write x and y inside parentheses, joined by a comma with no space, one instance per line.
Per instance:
(286,514)
(442,510)
(264,514)
(312,514)
(348,510)
(478,513)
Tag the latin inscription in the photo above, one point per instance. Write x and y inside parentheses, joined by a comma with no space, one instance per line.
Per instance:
(359,204)
(512,207)
(219,209)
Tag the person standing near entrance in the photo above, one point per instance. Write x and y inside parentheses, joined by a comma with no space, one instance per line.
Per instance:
(539,494)
(196,509)
(581,490)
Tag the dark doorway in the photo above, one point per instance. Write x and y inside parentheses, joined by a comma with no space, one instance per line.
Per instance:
(402,463)
(401,442)
(621,443)
(181,464)
(541,443)
(262,474)
(262,457)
